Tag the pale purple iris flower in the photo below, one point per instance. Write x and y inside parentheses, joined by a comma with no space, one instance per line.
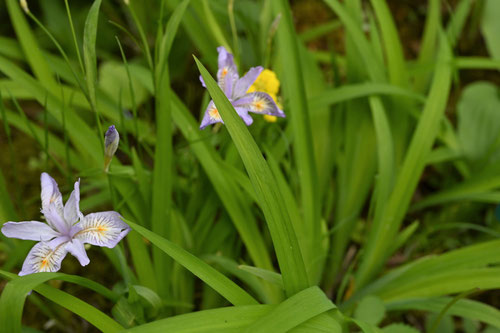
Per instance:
(235,89)
(66,230)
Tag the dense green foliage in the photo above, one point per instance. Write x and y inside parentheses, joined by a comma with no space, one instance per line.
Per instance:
(370,207)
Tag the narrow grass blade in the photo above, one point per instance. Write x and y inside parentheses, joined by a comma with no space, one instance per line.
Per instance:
(393,48)
(376,250)
(264,274)
(228,289)
(358,90)
(15,293)
(295,310)
(226,320)
(30,46)
(271,201)
(89,53)
(464,308)
(231,197)
(293,88)
(162,172)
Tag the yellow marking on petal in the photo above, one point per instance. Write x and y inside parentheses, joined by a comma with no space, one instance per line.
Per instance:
(224,72)
(101,229)
(259,105)
(44,263)
(214,113)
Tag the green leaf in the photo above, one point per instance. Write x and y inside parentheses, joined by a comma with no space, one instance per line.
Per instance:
(30,46)
(15,293)
(293,311)
(267,190)
(465,308)
(371,310)
(264,274)
(89,55)
(387,225)
(490,26)
(445,325)
(399,328)
(478,119)
(227,319)
(220,283)
(294,90)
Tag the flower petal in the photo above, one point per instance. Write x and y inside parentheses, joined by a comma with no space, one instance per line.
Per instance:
(102,229)
(50,193)
(242,85)
(243,113)
(77,249)
(202,82)
(43,258)
(30,230)
(259,102)
(55,220)
(72,208)
(227,75)
(211,116)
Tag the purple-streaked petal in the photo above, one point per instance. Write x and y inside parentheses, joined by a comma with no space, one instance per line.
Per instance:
(242,85)
(202,82)
(211,116)
(43,258)
(55,220)
(72,208)
(50,193)
(29,230)
(227,74)
(259,102)
(102,229)
(243,113)
(225,59)
(77,249)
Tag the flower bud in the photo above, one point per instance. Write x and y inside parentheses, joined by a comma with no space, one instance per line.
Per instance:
(112,138)
(24,6)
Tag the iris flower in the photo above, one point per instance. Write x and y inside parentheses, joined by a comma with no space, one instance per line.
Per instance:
(236,90)
(66,230)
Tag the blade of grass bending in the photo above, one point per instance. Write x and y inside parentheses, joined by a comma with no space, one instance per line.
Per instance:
(373,67)
(358,90)
(225,319)
(428,43)
(30,46)
(393,49)
(15,293)
(219,282)
(90,61)
(385,156)
(448,306)
(464,308)
(257,285)
(264,274)
(297,309)
(231,197)
(293,88)
(271,201)
(379,239)
(162,172)
(463,259)
(81,281)
(457,21)
(452,282)
(477,63)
